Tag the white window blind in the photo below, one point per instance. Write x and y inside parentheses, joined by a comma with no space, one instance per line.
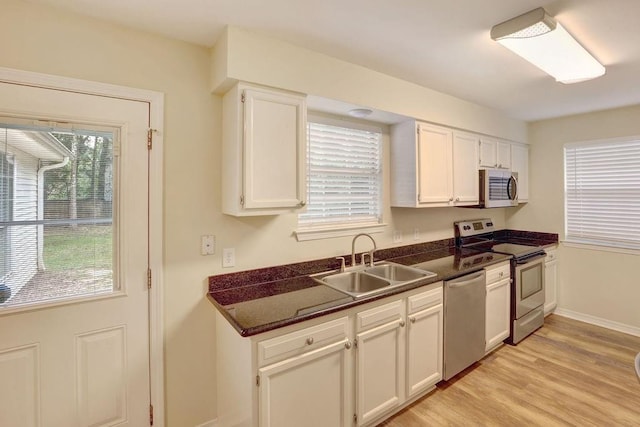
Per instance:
(344,177)
(602,193)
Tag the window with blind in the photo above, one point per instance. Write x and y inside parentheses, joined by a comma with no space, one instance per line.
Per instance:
(344,178)
(6,212)
(602,193)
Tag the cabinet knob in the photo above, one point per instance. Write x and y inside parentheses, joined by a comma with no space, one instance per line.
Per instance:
(302,204)
(457,199)
(402,323)
(501,273)
(347,345)
(412,319)
(309,340)
(451,199)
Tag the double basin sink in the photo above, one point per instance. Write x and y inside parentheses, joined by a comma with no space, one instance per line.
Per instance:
(365,281)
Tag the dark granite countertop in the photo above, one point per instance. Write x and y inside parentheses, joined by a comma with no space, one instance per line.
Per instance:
(261,300)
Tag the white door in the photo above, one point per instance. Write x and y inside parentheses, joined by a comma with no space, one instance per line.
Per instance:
(80,358)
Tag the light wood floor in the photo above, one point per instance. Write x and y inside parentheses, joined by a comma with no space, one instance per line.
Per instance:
(567,373)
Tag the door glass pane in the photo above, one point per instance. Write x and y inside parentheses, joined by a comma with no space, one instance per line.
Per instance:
(56,214)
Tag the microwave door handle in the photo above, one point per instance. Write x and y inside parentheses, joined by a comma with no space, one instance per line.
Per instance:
(512,188)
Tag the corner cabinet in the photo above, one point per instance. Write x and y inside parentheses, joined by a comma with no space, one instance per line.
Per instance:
(433,166)
(263,151)
(498,305)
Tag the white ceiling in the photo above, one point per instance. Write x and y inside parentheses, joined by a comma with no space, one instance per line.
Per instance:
(441,44)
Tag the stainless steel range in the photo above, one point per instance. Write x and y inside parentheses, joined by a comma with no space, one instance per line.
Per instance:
(527,274)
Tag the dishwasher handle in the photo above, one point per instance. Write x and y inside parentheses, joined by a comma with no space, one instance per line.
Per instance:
(468,279)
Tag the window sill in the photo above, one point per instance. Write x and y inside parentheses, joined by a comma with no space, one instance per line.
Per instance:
(327,233)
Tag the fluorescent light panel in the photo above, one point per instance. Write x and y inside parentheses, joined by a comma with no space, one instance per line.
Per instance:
(538,38)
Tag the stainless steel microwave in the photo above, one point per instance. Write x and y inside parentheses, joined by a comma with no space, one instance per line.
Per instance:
(498,188)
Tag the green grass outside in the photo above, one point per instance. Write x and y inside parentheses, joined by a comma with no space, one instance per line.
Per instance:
(66,248)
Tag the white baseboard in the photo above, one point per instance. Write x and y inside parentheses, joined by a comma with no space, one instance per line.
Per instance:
(598,321)
(212,423)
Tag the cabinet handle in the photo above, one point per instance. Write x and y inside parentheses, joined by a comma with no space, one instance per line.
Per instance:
(302,204)
(412,319)
(457,199)
(402,323)
(309,340)
(501,273)
(347,345)
(451,199)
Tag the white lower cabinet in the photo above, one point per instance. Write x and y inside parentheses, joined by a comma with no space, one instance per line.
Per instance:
(424,343)
(550,280)
(356,367)
(498,305)
(306,390)
(379,355)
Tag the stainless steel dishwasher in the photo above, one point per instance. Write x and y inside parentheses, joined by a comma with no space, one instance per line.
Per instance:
(464,322)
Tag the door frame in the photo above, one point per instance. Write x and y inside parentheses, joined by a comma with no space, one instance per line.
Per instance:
(156,123)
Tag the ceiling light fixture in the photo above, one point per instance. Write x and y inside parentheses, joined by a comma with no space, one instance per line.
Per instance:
(360,112)
(541,40)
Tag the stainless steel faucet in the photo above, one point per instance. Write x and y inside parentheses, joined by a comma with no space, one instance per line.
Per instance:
(353,249)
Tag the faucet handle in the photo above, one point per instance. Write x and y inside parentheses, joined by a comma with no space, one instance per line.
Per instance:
(363,259)
(342,266)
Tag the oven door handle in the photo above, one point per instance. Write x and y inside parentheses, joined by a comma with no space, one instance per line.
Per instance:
(531,259)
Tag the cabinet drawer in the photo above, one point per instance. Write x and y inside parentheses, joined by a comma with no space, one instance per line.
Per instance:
(424,300)
(498,272)
(379,315)
(298,342)
(552,254)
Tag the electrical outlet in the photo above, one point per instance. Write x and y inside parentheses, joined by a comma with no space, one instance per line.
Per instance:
(208,245)
(397,236)
(228,257)
(416,234)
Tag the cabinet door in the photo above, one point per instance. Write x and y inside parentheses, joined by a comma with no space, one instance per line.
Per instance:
(435,179)
(497,313)
(488,153)
(379,370)
(550,284)
(274,150)
(465,169)
(312,389)
(424,350)
(503,155)
(520,164)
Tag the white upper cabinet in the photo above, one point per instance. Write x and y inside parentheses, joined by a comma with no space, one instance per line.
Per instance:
(435,172)
(495,153)
(520,164)
(263,151)
(432,166)
(466,189)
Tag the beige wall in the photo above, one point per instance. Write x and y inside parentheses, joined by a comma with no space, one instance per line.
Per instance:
(45,40)
(593,283)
